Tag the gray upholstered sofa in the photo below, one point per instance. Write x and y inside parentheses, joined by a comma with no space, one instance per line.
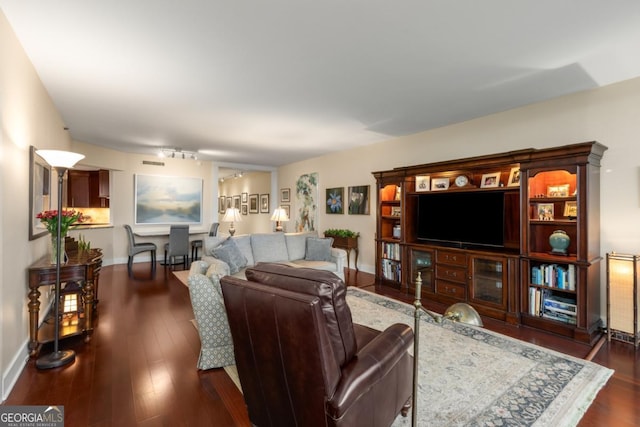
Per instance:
(224,256)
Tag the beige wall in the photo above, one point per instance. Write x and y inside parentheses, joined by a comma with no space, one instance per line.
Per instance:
(250,183)
(610,115)
(27,117)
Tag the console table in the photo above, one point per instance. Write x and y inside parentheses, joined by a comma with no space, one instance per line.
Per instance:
(347,243)
(82,267)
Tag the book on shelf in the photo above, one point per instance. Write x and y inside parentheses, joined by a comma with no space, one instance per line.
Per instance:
(391,270)
(543,303)
(391,251)
(554,276)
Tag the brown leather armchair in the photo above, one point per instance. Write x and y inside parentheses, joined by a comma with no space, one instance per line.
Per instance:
(301,360)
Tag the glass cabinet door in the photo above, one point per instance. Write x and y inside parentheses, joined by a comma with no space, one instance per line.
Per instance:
(488,280)
(421,262)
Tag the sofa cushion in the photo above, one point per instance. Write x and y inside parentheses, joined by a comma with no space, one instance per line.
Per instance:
(318,249)
(244,244)
(269,247)
(228,252)
(297,244)
(324,284)
(212,242)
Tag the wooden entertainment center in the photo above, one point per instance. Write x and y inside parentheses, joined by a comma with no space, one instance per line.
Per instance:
(478,230)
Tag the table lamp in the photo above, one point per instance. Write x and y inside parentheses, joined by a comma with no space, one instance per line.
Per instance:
(232,215)
(279,215)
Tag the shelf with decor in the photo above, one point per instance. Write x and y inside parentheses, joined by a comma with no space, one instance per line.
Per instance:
(560,262)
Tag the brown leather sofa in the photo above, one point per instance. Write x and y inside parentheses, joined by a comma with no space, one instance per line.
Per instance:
(301,360)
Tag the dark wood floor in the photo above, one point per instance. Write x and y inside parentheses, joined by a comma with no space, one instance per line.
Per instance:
(140,367)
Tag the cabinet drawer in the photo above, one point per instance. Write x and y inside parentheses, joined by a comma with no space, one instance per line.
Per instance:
(451,258)
(455,274)
(450,289)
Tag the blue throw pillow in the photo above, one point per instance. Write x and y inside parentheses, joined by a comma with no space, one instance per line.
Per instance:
(229,252)
(318,249)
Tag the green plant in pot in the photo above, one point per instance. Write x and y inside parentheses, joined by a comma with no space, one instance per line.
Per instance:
(341,232)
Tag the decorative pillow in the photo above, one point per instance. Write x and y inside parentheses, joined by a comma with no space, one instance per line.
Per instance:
(318,249)
(244,244)
(212,242)
(269,247)
(228,252)
(217,270)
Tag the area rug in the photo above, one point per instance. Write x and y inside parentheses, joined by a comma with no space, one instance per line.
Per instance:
(472,376)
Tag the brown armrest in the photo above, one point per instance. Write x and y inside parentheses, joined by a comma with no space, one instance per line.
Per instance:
(371,363)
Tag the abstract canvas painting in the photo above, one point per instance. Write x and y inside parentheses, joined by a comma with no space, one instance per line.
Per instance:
(167,200)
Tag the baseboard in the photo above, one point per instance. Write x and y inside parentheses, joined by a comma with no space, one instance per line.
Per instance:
(11,375)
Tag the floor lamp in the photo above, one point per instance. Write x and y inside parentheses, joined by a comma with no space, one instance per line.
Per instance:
(61,161)
(458,312)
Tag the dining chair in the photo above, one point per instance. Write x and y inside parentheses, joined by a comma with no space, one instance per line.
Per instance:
(136,248)
(197,244)
(178,245)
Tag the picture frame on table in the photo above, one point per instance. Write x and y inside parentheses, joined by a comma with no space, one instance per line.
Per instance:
(439,184)
(423,183)
(545,211)
(571,209)
(514,177)
(558,190)
(490,180)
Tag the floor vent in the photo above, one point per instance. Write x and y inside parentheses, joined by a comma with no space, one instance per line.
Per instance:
(152,163)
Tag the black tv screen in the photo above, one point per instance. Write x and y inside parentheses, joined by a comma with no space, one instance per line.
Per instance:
(462,219)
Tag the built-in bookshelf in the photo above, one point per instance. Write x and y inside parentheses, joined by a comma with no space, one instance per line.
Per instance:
(478,229)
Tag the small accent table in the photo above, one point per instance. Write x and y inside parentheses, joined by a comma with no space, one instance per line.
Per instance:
(83,267)
(347,243)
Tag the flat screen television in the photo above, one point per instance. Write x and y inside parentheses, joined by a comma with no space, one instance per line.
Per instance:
(462,219)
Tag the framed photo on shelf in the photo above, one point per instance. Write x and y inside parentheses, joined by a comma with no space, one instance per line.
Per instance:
(285,195)
(571,209)
(439,184)
(490,180)
(253,203)
(264,203)
(514,177)
(396,211)
(545,211)
(423,183)
(558,190)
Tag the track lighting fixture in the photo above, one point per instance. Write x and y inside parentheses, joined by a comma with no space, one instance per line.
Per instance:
(178,153)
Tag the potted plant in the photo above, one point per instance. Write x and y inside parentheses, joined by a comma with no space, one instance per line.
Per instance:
(343,237)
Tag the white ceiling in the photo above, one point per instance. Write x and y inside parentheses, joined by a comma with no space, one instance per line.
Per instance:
(273,82)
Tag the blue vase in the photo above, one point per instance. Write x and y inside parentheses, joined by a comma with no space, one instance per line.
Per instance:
(559,241)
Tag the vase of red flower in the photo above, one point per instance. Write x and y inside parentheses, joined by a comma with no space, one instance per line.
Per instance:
(68,220)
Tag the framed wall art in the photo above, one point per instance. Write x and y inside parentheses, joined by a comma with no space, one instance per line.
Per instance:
(236,202)
(245,197)
(335,198)
(307,198)
(39,192)
(253,204)
(244,209)
(285,195)
(359,200)
(264,203)
(167,199)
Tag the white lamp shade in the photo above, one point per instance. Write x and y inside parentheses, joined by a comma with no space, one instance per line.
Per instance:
(58,158)
(232,215)
(279,215)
